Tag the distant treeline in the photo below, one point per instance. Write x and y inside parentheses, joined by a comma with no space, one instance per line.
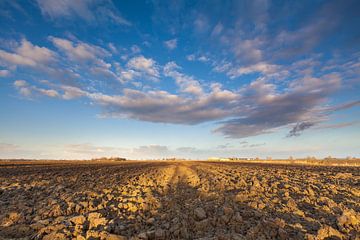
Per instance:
(109,159)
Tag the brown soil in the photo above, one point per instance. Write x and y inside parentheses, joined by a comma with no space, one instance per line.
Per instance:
(178,200)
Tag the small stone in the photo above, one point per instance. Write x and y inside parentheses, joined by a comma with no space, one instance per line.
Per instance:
(200,213)
(115,237)
(292,204)
(150,221)
(78,220)
(327,231)
(159,234)
(142,235)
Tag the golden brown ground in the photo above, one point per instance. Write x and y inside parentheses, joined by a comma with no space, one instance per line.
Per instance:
(178,200)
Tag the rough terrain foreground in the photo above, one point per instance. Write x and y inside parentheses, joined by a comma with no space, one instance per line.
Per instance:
(178,200)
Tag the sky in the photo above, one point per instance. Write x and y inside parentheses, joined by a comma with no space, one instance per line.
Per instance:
(188,79)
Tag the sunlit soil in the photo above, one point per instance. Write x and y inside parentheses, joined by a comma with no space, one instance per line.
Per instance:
(178,200)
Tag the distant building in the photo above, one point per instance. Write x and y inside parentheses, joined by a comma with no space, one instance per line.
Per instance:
(229,159)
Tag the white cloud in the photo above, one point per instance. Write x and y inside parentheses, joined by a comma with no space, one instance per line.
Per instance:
(4,73)
(201,58)
(27,90)
(223,66)
(20,83)
(79,51)
(186,83)
(162,106)
(217,29)
(35,53)
(135,49)
(27,54)
(260,67)
(269,109)
(23,88)
(191,57)
(71,92)
(248,50)
(171,44)
(88,57)
(91,11)
(145,66)
(113,48)
(48,92)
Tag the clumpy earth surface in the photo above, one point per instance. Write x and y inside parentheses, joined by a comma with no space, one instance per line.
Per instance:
(178,200)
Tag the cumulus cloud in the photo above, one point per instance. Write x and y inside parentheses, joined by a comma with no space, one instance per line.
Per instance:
(27,54)
(90,11)
(191,57)
(48,92)
(27,90)
(4,73)
(23,88)
(186,83)
(88,56)
(260,67)
(257,108)
(171,44)
(268,109)
(162,106)
(197,57)
(248,50)
(71,92)
(79,51)
(141,66)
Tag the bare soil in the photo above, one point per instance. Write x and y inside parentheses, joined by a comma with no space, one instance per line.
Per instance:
(178,200)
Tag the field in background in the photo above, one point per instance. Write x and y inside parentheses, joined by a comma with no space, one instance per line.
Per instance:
(179,199)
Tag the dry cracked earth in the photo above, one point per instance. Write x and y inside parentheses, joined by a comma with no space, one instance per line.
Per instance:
(178,200)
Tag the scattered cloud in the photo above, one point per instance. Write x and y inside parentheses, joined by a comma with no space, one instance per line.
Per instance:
(71,92)
(27,54)
(187,84)
(344,106)
(268,109)
(23,88)
(196,57)
(79,51)
(171,44)
(90,11)
(217,29)
(260,67)
(27,90)
(162,106)
(141,66)
(191,57)
(4,73)
(135,49)
(337,125)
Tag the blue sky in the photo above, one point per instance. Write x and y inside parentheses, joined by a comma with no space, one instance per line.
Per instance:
(193,79)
